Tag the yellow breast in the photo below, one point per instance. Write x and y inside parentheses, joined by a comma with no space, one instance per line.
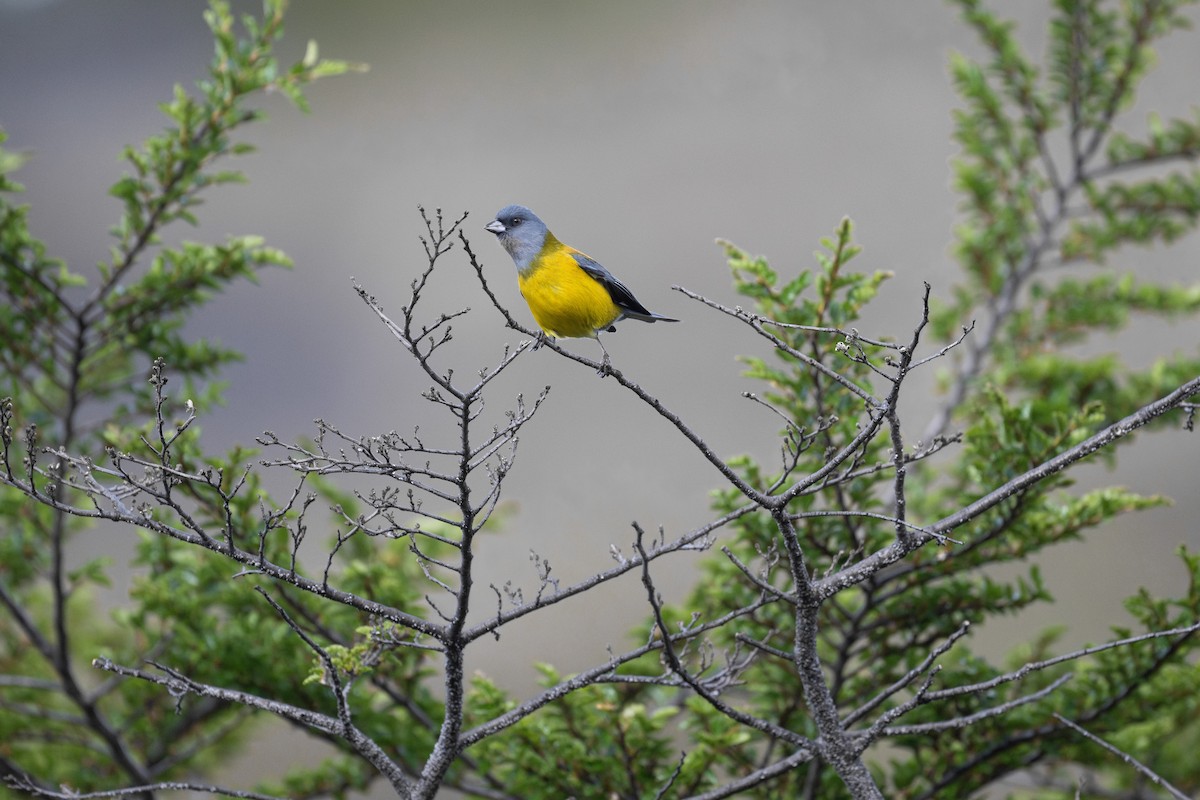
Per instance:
(566,302)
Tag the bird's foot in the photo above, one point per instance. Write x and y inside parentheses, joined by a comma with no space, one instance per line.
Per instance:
(605,367)
(539,341)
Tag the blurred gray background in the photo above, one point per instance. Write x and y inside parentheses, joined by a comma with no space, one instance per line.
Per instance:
(639,132)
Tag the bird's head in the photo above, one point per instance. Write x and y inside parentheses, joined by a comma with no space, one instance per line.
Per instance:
(520,232)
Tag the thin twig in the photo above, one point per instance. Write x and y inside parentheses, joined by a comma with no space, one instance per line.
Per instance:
(1148,773)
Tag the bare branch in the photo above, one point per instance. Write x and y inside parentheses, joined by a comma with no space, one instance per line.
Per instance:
(25,784)
(955,723)
(699,687)
(1146,772)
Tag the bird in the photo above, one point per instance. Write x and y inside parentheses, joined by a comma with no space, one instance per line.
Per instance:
(570,294)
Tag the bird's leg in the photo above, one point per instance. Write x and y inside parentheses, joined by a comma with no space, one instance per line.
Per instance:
(541,338)
(605,363)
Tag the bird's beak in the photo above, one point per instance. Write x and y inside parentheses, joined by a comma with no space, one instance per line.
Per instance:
(495,226)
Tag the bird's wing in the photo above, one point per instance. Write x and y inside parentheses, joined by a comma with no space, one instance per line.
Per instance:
(619,292)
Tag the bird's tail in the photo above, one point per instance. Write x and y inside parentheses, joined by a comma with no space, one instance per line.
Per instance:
(648,317)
